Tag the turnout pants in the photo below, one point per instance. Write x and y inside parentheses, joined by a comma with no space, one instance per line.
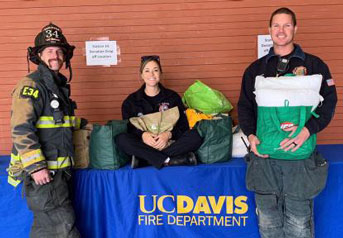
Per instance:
(53,214)
(284,192)
(133,145)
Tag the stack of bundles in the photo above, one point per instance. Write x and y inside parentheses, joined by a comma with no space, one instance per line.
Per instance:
(103,151)
(215,127)
(284,102)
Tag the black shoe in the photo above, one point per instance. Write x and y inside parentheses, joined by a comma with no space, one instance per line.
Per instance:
(138,162)
(192,158)
(134,162)
(186,159)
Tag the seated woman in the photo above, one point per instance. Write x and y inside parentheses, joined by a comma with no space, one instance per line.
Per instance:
(145,146)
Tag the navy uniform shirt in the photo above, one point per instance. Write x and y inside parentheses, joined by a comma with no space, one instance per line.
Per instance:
(139,104)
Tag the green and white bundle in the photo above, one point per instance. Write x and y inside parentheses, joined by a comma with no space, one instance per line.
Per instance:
(284,102)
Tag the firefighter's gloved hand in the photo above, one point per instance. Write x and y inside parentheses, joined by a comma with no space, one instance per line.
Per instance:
(41,177)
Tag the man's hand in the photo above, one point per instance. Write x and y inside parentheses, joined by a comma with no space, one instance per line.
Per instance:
(162,140)
(41,177)
(253,140)
(149,139)
(294,143)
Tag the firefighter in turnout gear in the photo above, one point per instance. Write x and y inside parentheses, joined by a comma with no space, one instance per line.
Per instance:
(42,122)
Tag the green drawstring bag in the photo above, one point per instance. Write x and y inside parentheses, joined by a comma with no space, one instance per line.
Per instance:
(284,102)
(103,151)
(217,140)
(201,97)
(269,131)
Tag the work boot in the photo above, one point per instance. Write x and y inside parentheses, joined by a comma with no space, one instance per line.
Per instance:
(186,159)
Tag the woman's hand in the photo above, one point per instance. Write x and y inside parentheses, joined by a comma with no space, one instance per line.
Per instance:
(149,139)
(162,140)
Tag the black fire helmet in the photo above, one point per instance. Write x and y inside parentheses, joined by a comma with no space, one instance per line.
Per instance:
(51,35)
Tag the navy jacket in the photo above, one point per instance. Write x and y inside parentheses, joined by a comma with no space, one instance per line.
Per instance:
(267,66)
(137,105)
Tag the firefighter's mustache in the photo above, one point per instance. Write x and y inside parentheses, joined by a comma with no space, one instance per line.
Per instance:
(51,60)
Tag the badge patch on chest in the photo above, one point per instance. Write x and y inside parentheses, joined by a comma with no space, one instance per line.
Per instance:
(29,92)
(300,71)
(164,106)
(54,104)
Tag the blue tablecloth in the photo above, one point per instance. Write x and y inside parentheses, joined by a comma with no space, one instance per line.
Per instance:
(200,201)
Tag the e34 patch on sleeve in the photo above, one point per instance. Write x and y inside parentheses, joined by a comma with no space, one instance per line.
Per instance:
(28,91)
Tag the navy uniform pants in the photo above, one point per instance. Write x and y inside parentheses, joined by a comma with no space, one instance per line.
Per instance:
(53,214)
(284,192)
(132,145)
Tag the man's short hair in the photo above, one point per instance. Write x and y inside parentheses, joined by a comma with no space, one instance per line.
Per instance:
(283,10)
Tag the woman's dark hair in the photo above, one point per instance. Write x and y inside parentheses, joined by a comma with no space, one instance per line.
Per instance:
(283,10)
(148,58)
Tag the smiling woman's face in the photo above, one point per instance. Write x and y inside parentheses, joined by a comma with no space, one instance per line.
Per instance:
(151,74)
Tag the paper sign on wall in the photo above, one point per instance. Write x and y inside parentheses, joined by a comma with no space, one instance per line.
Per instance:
(264,42)
(102,53)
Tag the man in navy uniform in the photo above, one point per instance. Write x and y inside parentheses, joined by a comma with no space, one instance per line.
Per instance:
(284,189)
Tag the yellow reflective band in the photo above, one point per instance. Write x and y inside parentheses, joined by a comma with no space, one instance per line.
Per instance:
(48,122)
(60,163)
(13,182)
(15,169)
(77,123)
(14,158)
(32,157)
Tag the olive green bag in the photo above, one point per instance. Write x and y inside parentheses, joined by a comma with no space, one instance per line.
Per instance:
(157,122)
(103,151)
(217,139)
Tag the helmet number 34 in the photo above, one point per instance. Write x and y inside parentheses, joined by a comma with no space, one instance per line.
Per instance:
(51,33)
